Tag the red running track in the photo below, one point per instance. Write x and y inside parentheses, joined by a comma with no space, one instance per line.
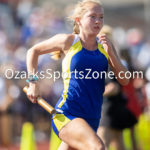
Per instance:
(40,146)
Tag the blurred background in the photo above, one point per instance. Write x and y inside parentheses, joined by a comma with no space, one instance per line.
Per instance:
(26,22)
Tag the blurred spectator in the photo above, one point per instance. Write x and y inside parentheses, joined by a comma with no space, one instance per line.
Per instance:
(139,49)
(115,114)
(5,120)
(147,89)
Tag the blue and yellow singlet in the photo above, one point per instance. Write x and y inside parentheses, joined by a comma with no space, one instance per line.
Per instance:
(84,82)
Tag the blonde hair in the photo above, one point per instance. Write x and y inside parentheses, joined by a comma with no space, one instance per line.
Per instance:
(79,11)
(107,30)
(56,55)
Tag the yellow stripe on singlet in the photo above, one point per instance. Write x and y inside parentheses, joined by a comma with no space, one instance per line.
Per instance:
(101,49)
(66,69)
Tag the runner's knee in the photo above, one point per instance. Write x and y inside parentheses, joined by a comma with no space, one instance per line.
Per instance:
(98,146)
(95,144)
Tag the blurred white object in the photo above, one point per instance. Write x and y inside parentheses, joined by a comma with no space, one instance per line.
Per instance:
(147,89)
(119,36)
(134,36)
(147,74)
(14,91)
(2,91)
(143,57)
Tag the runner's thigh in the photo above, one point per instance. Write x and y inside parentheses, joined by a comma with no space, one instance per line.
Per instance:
(79,135)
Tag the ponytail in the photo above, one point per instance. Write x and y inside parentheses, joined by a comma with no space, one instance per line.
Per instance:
(76,28)
(56,55)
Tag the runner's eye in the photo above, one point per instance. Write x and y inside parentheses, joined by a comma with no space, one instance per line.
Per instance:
(93,16)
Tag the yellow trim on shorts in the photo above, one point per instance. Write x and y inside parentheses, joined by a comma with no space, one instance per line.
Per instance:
(101,49)
(66,68)
(60,120)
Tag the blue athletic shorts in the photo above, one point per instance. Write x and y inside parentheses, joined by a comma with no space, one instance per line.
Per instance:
(60,120)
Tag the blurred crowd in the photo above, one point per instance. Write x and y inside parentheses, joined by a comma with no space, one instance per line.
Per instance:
(24,23)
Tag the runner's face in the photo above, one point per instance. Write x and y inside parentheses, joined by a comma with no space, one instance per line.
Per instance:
(92,21)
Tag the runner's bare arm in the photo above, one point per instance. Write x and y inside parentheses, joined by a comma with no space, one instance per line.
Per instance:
(114,60)
(111,89)
(59,42)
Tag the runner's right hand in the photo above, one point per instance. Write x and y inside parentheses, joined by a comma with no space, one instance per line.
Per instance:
(33,92)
